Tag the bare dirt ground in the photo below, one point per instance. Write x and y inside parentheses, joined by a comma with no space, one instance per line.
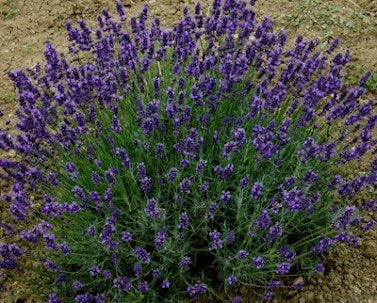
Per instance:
(26,24)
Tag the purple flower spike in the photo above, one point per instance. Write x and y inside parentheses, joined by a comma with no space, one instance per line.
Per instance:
(197,289)
(268,296)
(94,271)
(320,268)
(231,280)
(283,268)
(242,254)
(156,274)
(263,221)
(172,174)
(84,298)
(256,190)
(123,284)
(126,236)
(183,220)
(53,298)
(225,197)
(160,238)
(165,284)
(217,243)
(152,210)
(143,287)
(231,237)
(142,255)
(258,262)
(77,285)
(185,262)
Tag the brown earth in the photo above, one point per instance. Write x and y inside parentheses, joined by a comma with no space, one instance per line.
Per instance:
(26,24)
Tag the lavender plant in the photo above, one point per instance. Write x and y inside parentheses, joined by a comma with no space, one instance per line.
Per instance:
(176,163)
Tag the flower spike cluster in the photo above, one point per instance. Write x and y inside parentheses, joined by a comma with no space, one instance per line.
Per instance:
(173,160)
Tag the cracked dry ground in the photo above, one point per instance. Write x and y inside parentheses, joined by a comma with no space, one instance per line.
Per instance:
(25,25)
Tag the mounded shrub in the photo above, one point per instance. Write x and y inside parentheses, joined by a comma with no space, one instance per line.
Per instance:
(176,163)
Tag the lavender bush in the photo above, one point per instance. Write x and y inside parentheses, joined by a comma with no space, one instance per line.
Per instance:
(176,163)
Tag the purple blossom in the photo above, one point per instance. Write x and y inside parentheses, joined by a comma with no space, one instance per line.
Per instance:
(370,205)
(83,298)
(126,161)
(94,271)
(143,286)
(227,171)
(107,233)
(123,284)
(287,253)
(185,185)
(138,269)
(217,243)
(51,266)
(100,298)
(152,210)
(319,268)
(183,220)
(160,238)
(116,125)
(295,199)
(64,248)
(334,44)
(142,255)
(264,220)
(225,196)
(274,284)
(126,236)
(211,211)
(244,181)
(185,262)
(258,262)
(146,184)
(283,268)
(204,187)
(165,284)
(98,163)
(70,167)
(53,298)
(108,195)
(91,230)
(256,190)
(231,237)
(77,285)
(156,274)
(242,254)
(197,289)
(369,225)
(160,149)
(231,280)
(111,174)
(298,285)
(322,245)
(274,231)
(268,296)
(141,171)
(200,166)
(184,163)
(311,177)
(107,274)
(345,218)
(172,174)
